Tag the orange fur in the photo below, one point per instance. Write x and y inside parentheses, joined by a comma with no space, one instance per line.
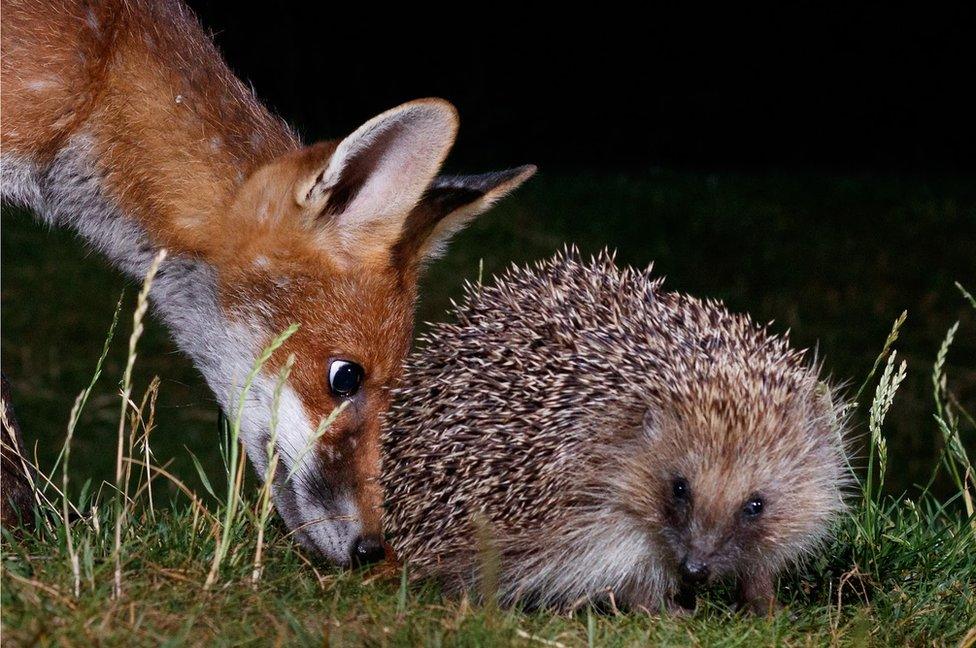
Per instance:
(312,235)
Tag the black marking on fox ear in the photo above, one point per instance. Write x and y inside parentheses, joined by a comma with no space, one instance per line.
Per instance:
(471,187)
(343,193)
(448,195)
(443,198)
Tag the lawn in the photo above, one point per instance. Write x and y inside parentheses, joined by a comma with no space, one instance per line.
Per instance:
(834,259)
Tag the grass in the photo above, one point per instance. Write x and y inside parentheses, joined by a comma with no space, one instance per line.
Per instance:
(902,569)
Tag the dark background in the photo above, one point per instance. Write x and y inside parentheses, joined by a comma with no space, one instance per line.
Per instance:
(810,166)
(858,87)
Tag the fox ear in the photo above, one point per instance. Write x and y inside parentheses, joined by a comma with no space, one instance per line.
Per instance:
(376,175)
(449,204)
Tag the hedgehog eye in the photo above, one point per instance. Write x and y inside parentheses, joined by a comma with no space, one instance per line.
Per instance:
(345,378)
(753,507)
(680,489)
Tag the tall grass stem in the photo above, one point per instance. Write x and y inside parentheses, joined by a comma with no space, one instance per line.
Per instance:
(142,305)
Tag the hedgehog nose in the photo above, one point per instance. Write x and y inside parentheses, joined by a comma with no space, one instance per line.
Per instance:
(367,550)
(693,571)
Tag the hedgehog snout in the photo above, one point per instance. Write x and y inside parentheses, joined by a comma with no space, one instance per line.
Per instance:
(694,571)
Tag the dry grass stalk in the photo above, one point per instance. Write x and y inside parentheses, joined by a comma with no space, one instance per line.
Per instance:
(142,305)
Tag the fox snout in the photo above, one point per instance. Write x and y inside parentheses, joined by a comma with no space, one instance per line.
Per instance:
(351,464)
(366,550)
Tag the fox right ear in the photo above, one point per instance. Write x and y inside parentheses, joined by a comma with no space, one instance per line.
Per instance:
(377,175)
(449,204)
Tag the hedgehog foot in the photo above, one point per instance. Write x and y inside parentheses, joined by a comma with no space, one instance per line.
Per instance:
(757,594)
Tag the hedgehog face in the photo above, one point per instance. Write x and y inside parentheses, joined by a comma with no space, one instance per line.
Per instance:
(724,489)
(710,532)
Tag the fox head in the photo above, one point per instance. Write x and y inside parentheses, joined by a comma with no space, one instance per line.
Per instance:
(332,237)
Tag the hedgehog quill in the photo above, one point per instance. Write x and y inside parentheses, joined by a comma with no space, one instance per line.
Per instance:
(615,439)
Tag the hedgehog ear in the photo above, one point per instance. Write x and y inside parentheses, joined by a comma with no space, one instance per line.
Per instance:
(651,423)
(450,203)
(827,407)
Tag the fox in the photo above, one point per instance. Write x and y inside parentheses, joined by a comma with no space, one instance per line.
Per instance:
(121,121)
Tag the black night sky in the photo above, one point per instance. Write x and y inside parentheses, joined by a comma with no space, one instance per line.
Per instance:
(870,88)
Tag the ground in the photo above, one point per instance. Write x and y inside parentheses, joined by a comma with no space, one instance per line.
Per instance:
(834,259)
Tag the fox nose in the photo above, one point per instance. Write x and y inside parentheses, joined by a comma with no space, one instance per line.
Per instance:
(367,550)
(693,571)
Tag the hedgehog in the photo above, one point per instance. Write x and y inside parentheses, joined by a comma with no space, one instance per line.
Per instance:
(605,440)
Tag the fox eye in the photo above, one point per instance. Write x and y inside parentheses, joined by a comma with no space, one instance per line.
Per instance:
(345,378)
(680,489)
(753,507)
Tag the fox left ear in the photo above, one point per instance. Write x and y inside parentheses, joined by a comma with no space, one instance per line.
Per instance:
(361,194)
(448,205)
